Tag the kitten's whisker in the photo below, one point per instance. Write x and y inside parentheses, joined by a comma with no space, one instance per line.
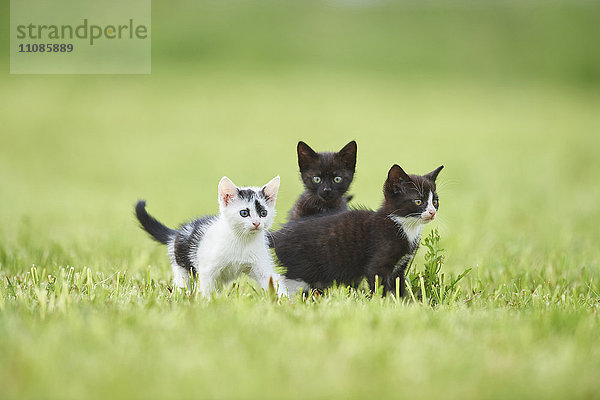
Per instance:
(408,215)
(447,182)
(443,185)
(442,226)
(442,219)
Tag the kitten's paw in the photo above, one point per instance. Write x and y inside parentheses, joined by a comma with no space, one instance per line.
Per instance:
(277,285)
(292,286)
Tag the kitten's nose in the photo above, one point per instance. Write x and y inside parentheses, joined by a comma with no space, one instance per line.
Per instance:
(256,224)
(432,213)
(327,193)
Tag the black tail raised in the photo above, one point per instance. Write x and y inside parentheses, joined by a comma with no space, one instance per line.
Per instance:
(158,231)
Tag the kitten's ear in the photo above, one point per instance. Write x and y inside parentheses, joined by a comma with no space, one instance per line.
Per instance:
(348,154)
(270,190)
(432,176)
(227,190)
(306,155)
(396,176)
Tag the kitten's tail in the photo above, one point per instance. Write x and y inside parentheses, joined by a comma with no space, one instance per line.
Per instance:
(158,231)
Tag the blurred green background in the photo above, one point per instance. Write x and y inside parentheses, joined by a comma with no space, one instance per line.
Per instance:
(505,94)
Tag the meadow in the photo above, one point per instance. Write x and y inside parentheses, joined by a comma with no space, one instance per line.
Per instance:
(505,95)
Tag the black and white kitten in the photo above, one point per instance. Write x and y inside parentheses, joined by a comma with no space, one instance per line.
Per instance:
(217,248)
(349,246)
(326,177)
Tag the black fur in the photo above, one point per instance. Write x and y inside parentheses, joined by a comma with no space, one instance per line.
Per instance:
(258,206)
(246,194)
(349,246)
(249,194)
(158,231)
(187,239)
(326,196)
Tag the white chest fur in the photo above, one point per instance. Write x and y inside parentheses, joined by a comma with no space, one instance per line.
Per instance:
(221,248)
(410,226)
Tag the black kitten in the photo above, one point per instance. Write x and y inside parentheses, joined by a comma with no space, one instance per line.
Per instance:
(349,246)
(327,177)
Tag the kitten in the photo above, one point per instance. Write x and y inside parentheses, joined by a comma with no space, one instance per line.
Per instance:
(326,177)
(349,246)
(217,248)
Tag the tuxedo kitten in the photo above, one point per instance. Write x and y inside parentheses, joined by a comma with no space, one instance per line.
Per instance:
(349,246)
(326,177)
(216,249)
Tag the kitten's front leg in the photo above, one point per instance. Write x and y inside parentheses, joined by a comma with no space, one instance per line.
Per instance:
(206,283)
(381,268)
(181,278)
(390,284)
(263,273)
(381,279)
(398,273)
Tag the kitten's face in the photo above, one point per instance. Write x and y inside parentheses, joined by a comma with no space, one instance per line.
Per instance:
(327,175)
(412,196)
(248,210)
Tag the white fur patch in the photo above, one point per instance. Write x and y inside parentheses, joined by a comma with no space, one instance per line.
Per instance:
(294,285)
(411,227)
(430,208)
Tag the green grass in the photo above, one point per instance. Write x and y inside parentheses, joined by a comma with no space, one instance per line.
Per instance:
(504,95)
(85,334)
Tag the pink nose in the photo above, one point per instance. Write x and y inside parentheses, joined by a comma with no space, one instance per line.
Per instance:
(256,224)
(432,213)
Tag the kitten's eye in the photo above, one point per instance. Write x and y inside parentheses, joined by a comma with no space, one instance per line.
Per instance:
(337,179)
(418,202)
(244,213)
(316,179)
(435,203)
(263,213)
